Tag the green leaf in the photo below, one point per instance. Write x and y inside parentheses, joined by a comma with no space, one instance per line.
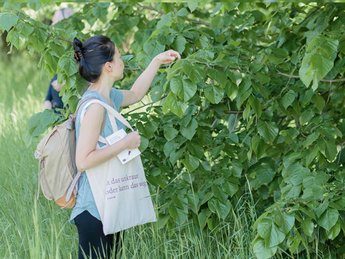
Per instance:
(24,29)
(148,129)
(192,5)
(222,209)
(311,154)
(306,116)
(144,143)
(276,236)
(173,105)
(214,93)
(329,218)
(166,20)
(235,76)
(67,64)
(162,221)
(307,226)
(295,174)
(268,130)
(291,192)
(256,105)
(153,48)
(319,102)
(311,139)
(182,12)
(320,209)
(247,112)
(260,174)
(180,44)
(7,20)
(293,242)
(13,38)
(288,98)
(189,89)
(202,217)
(285,221)
(193,201)
(189,131)
(236,169)
(176,85)
(196,149)
(313,188)
(191,163)
(244,91)
(170,133)
(230,188)
(169,147)
(157,89)
(232,122)
(184,89)
(334,231)
(40,122)
(331,150)
(234,138)
(179,215)
(193,72)
(261,251)
(218,75)
(231,90)
(264,228)
(318,60)
(218,191)
(328,148)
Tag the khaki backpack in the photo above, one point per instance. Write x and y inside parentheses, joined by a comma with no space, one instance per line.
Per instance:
(58,174)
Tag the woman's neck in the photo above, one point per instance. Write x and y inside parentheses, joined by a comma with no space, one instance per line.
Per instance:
(103,86)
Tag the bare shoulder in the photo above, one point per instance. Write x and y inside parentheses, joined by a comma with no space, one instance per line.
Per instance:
(94,114)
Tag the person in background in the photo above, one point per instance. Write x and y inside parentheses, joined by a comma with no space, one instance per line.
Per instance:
(53,99)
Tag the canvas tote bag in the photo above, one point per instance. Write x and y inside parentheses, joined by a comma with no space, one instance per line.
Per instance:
(120,190)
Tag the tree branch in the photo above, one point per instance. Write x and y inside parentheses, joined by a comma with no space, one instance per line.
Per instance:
(323,80)
(129,112)
(186,18)
(234,112)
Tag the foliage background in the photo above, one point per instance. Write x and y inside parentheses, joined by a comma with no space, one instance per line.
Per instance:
(253,111)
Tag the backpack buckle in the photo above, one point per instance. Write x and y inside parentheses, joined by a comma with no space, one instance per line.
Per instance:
(38,154)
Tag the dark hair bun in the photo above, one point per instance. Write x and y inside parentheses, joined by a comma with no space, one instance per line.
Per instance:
(92,55)
(78,49)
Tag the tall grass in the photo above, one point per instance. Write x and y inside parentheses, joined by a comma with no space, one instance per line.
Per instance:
(36,228)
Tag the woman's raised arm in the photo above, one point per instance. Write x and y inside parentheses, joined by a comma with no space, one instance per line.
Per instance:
(143,82)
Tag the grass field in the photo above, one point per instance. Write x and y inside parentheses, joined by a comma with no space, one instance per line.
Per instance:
(36,228)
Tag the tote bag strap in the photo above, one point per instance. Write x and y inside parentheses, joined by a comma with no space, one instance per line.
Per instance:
(91,101)
(111,111)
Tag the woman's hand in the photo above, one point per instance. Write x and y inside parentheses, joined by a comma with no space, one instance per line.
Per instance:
(167,57)
(142,84)
(133,140)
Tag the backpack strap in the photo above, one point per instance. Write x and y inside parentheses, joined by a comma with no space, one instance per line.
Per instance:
(71,187)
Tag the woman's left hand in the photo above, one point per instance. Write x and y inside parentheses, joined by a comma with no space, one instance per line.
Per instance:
(167,57)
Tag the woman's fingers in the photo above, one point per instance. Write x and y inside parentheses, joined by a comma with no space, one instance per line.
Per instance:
(174,53)
(168,56)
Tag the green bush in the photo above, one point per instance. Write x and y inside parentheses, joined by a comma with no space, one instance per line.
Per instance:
(256,102)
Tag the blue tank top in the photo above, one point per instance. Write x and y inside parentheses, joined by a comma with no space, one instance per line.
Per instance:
(85,200)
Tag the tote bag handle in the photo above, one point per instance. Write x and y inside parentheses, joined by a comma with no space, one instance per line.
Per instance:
(110,110)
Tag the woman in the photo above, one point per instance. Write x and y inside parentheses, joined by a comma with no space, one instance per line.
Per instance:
(100,64)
